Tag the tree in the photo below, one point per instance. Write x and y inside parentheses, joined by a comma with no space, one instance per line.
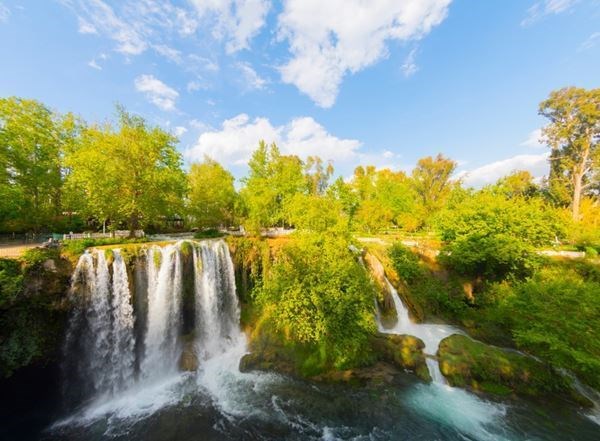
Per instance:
(32,139)
(211,194)
(518,183)
(573,134)
(273,179)
(132,174)
(315,213)
(317,175)
(431,181)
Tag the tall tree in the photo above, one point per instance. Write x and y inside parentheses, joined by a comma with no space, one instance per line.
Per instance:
(317,175)
(32,139)
(132,174)
(212,194)
(272,180)
(431,180)
(573,134)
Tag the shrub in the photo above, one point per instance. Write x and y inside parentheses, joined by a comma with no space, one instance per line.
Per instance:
(493,257)
(405,262)
(321,300)
(209,233)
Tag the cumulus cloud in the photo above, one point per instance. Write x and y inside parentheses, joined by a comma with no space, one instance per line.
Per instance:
(490,173)
(157,92)
(179,131)
(329,39)
(237,21)
(544,8)
(239,136)
(535,139)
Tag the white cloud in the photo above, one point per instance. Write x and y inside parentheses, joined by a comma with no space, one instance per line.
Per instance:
(237,21)
(409,67)
(179,131)
(329,39)
(133,25)
(168,52)
(157,92)
(544,8)
(238,137)
(85,27)
(4,13)
(490,173)
(590,42)
(194,86)
(534,139)
(251,80)
(93,64)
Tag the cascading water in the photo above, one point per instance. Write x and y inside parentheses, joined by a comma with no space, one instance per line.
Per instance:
(431,334)
(101,341)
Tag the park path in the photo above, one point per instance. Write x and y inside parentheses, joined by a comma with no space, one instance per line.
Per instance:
(14,251)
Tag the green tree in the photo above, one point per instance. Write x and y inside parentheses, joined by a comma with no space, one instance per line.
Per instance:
(518,183)
(212,195)
(316,213)
(32,139)
(573,134)
(272,180)
(317,175)
(132,174)
(431,181)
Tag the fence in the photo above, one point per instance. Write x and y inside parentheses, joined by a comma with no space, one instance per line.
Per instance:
(112,234)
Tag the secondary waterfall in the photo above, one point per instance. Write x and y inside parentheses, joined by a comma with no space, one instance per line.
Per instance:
(431,334)
(128,332)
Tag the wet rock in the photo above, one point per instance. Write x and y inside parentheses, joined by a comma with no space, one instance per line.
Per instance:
(480,367)
(188,360)
(404,352)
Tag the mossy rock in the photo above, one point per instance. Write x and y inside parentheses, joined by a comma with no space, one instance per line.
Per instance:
(468,363)
(403,351)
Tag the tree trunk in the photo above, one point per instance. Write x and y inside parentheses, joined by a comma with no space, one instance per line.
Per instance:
(134,223)
(577,187)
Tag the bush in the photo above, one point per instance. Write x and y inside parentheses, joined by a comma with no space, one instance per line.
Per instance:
(405,262)
(11,281)
(78,246)
(210,233)
(493,257)
(321,300)
(557,318)
(34,257)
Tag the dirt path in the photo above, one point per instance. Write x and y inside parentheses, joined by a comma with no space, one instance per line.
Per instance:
(10,251)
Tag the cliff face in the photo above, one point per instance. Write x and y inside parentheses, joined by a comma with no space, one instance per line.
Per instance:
(34,315)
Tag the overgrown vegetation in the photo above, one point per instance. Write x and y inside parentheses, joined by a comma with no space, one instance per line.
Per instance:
(320,301)
(78,246)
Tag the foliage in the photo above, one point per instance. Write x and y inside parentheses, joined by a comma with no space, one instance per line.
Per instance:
(132,174)
(574,136)
(273,178)
(78,246)
(486,213)
(431,181)
(209,233)
(211,194)
(315,213)
(405,262)
(32,138)
(556,316)
(321,299)
(11,281)
(493,257)
(34,257)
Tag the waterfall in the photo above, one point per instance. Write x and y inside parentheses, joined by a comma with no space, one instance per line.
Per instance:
(115,344)
(101,329)
(161,343)
(217,309)
(431,334)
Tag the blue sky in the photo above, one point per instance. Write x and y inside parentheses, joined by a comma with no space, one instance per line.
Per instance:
(380,82)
